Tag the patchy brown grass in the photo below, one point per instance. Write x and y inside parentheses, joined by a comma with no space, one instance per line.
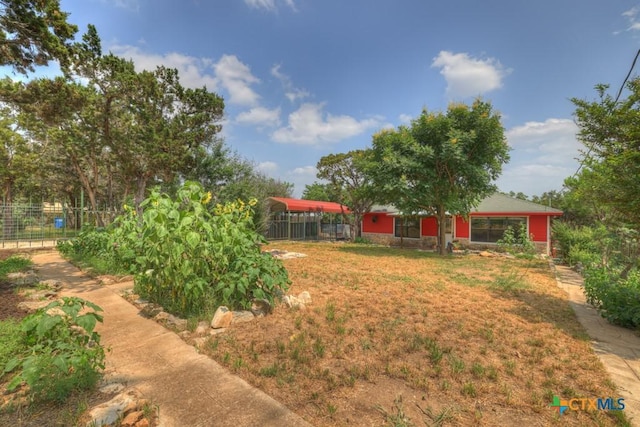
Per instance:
(401,336)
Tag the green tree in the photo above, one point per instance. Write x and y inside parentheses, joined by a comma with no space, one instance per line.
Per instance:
(33,32)
(321,192)
(610,131)
(154,127)
(349,183)
(442,162)
(519,195)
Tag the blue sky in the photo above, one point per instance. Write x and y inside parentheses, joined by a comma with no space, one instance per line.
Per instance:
(305,78)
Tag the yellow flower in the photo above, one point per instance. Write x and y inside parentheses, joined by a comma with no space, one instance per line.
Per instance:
(207,198)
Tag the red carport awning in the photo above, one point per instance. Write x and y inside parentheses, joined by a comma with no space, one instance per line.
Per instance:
(283,204)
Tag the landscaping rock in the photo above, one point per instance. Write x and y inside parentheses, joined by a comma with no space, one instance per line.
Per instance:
(202,329)
(305,297)
(32,306)
(280,254)
(200,342)
(132,419)
(27,278)
(171,321)
(261,307)
(222,318)
(151,310)
(487,254)
(108,413)
(242,317)
(293,302)
(55,285)
(112,388)
(107,279)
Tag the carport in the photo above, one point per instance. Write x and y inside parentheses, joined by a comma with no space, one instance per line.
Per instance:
(298,219)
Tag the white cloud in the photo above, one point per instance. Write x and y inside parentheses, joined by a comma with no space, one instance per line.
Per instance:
(237,79)
(300,177)
(309,125)
(192,70)
(305,171)
(267,167)
(270,5)
(534,179)
(405,118)
(260,116)
(133,5)
(229,72)
(553,140)
(543,155)
(632,16)
(467,76)
(291,92)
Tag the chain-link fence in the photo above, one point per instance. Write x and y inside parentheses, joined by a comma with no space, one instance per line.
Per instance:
(43,224)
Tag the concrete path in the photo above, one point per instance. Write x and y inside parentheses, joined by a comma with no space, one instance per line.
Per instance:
(189,388)
(618,348)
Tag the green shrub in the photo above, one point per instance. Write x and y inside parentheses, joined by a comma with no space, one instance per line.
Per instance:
(13,264)
(616,298)
(10,341)
(63,352)
(516,241)
(362,240)
(93,247)
(579,244)
(190,260)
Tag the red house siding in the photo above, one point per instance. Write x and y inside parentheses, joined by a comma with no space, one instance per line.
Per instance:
(382,223)
(462,228)
(429,227)
(538,227)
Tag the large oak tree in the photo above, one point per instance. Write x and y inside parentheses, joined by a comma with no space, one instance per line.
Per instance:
(442,163)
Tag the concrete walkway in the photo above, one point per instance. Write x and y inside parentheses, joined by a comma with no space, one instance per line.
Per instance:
(189,388)
(618,348)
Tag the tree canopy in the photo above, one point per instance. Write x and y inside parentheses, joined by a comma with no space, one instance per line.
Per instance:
(349,183)
(610,131)
(442,163)
(33,32)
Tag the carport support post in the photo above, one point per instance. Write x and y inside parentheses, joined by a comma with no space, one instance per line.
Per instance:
(288,225)
(304,227)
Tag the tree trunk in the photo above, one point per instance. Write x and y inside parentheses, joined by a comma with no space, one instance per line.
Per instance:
(141,188)
(357,226)
(441,216)
(91,192)
(8,229)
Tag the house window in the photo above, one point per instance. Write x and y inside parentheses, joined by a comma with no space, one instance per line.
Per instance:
(491,229)
(407,227)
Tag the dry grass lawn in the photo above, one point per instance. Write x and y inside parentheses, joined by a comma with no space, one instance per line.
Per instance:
(402,337)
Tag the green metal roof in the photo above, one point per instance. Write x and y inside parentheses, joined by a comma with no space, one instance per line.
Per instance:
(496,203)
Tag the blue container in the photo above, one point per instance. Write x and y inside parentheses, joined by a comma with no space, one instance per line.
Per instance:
(58,222)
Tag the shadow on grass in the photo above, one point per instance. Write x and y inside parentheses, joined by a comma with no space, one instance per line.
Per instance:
(542,308)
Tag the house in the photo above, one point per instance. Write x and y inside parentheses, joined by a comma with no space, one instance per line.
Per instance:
(482,229)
